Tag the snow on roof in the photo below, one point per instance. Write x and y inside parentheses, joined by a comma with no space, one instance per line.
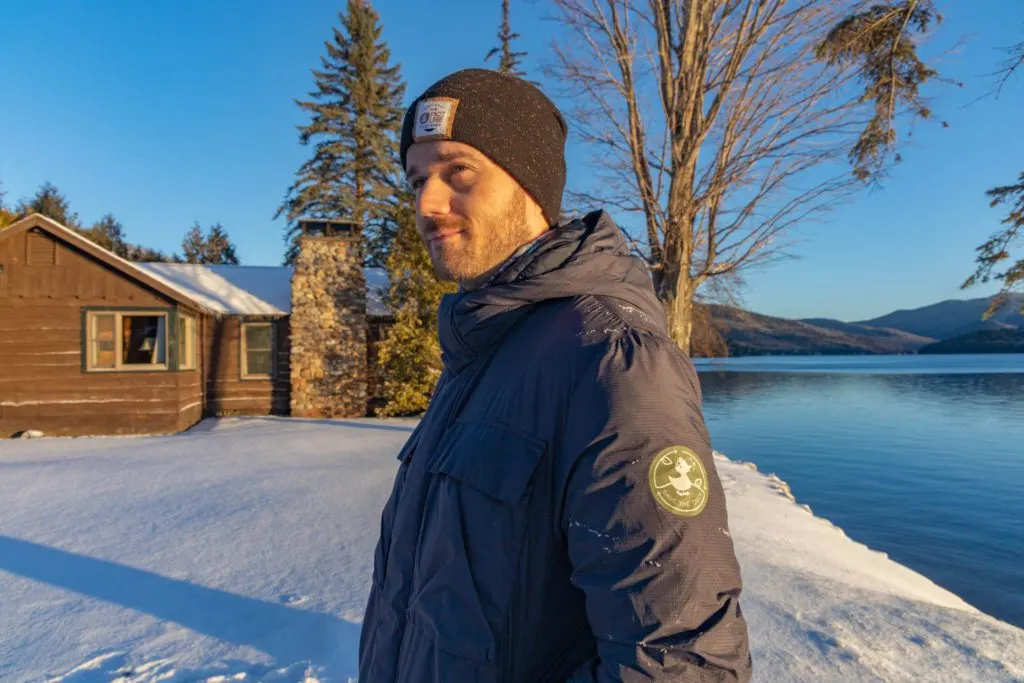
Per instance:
(244,290)
(250,290)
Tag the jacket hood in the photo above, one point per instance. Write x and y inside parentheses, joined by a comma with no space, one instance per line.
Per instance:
(589,255)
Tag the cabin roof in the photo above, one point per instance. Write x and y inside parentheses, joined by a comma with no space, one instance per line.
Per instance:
(251,290)
(228,290)
(126,268)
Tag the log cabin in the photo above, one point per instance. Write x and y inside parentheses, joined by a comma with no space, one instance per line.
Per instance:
(93,344)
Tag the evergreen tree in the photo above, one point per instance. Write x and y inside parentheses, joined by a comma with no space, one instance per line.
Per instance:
(219,248)
(355,123)
(109,234)
(997,251)
(510,61)
(214,248)
(194,244)
(50,202)
(140,254)
(882,41)
(409,357)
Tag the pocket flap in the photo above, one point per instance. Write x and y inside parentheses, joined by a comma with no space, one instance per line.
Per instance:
(495,461)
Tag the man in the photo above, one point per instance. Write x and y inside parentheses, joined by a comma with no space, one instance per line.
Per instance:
(556,515)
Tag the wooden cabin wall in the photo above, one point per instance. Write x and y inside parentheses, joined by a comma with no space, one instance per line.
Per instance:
(44,286)
(226,392)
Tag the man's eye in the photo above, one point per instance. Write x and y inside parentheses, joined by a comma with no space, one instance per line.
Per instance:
(416,183)
(459,168)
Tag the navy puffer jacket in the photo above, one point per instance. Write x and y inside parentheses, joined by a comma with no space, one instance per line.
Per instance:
(557,515)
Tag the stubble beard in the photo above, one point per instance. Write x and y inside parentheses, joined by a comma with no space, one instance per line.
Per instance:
(481,245)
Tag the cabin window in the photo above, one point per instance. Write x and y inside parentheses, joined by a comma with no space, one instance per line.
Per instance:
(122,340)
(257,350)
(186,342)
(102,341)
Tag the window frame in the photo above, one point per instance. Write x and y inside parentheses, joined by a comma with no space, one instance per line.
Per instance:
(243,346)
(88,317)
(186,342)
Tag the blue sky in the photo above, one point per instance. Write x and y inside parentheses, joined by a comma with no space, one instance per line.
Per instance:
(165,113)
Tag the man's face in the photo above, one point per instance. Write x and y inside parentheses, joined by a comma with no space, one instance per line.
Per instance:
(470,212)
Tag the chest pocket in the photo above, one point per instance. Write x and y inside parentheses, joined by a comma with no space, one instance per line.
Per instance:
(473,535)
(492,460)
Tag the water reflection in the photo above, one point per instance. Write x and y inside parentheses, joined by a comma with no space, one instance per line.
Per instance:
(926,467)
(997,393)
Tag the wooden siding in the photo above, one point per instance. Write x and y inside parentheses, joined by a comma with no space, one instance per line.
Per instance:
(226,392)
(42,384)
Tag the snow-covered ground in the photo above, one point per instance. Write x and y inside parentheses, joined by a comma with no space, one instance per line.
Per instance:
(242,550)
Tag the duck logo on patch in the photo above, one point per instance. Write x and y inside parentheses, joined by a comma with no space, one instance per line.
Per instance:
(679,481)
(435,118)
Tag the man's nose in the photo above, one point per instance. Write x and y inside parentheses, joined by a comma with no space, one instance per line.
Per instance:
(434,199)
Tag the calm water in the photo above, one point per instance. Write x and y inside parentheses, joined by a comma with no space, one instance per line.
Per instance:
(921,457)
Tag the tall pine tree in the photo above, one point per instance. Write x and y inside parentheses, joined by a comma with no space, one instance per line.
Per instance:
(355,123)
(510,60)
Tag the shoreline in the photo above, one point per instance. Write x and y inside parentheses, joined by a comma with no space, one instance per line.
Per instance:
(782,488)
(244,549)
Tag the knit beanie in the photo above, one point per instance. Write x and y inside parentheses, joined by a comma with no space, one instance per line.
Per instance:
(509,120)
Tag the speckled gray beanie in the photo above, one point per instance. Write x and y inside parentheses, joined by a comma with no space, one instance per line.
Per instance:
(506,118)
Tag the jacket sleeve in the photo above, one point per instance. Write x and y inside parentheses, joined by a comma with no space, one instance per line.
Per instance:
(644,518)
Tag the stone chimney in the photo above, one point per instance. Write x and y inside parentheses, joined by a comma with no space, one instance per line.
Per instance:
(328,322)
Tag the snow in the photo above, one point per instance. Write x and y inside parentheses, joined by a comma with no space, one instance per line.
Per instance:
(244,290)
(249,290)
(242,551)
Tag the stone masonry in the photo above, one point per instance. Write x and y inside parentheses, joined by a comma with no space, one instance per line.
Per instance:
(328,329)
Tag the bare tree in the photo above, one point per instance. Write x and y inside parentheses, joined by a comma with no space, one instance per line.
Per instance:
(1014,60)
(715,121)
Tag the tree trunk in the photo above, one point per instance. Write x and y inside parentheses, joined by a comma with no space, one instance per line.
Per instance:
(677,295)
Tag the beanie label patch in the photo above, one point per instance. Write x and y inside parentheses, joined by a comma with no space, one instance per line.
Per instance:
(435,118)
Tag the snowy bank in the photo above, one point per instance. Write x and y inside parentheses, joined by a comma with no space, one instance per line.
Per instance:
(242,550)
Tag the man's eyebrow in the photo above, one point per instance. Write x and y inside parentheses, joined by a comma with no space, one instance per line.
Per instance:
(414,171)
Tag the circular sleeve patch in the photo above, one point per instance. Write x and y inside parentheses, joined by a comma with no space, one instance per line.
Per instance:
(679,481)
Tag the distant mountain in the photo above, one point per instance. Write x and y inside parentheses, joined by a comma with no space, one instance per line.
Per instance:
(753,334)
(911,331)
(854,328)
(952,318)
(1010,340)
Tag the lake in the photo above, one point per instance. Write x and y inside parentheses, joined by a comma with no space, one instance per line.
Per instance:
(921,457)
